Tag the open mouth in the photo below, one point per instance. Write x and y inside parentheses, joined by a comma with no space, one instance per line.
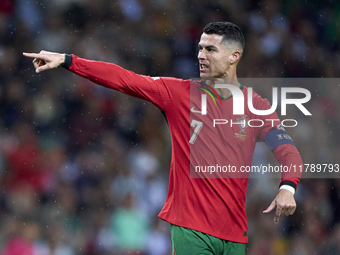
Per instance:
(203,67)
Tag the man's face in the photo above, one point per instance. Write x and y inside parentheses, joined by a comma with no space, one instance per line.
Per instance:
(213,56)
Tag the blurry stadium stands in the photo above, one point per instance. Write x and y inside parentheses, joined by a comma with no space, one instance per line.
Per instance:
(84,169)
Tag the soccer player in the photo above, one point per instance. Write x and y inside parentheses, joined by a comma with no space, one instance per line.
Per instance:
(206,215)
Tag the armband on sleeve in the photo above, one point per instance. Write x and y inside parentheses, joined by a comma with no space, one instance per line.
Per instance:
(277,137)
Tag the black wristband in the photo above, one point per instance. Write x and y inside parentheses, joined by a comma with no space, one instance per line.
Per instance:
(290,183)
(68,61)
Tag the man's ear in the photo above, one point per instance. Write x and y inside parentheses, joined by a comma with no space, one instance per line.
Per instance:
(235,56)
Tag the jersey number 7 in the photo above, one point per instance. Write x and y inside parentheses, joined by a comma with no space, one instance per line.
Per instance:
(198,126)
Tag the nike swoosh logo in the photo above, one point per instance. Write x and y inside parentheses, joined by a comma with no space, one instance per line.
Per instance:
(193,110)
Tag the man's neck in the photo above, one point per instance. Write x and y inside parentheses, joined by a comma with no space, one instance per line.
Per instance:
(225,93)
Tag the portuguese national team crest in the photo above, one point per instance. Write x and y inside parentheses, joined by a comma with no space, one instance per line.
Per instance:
(243,125)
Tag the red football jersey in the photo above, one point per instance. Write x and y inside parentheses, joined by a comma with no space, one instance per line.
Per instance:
(215,206)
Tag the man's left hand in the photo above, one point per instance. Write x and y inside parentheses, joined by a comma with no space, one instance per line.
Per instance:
(284,203)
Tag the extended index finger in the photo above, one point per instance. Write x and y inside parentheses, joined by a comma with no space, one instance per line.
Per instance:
(33,55)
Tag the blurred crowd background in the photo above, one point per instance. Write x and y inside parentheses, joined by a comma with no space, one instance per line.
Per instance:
(84,170)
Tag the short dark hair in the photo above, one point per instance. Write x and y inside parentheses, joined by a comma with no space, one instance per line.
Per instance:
(230,32)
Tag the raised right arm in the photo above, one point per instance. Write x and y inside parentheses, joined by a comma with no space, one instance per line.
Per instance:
(155,90)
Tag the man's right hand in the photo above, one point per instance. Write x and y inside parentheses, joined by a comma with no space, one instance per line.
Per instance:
(46,60)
